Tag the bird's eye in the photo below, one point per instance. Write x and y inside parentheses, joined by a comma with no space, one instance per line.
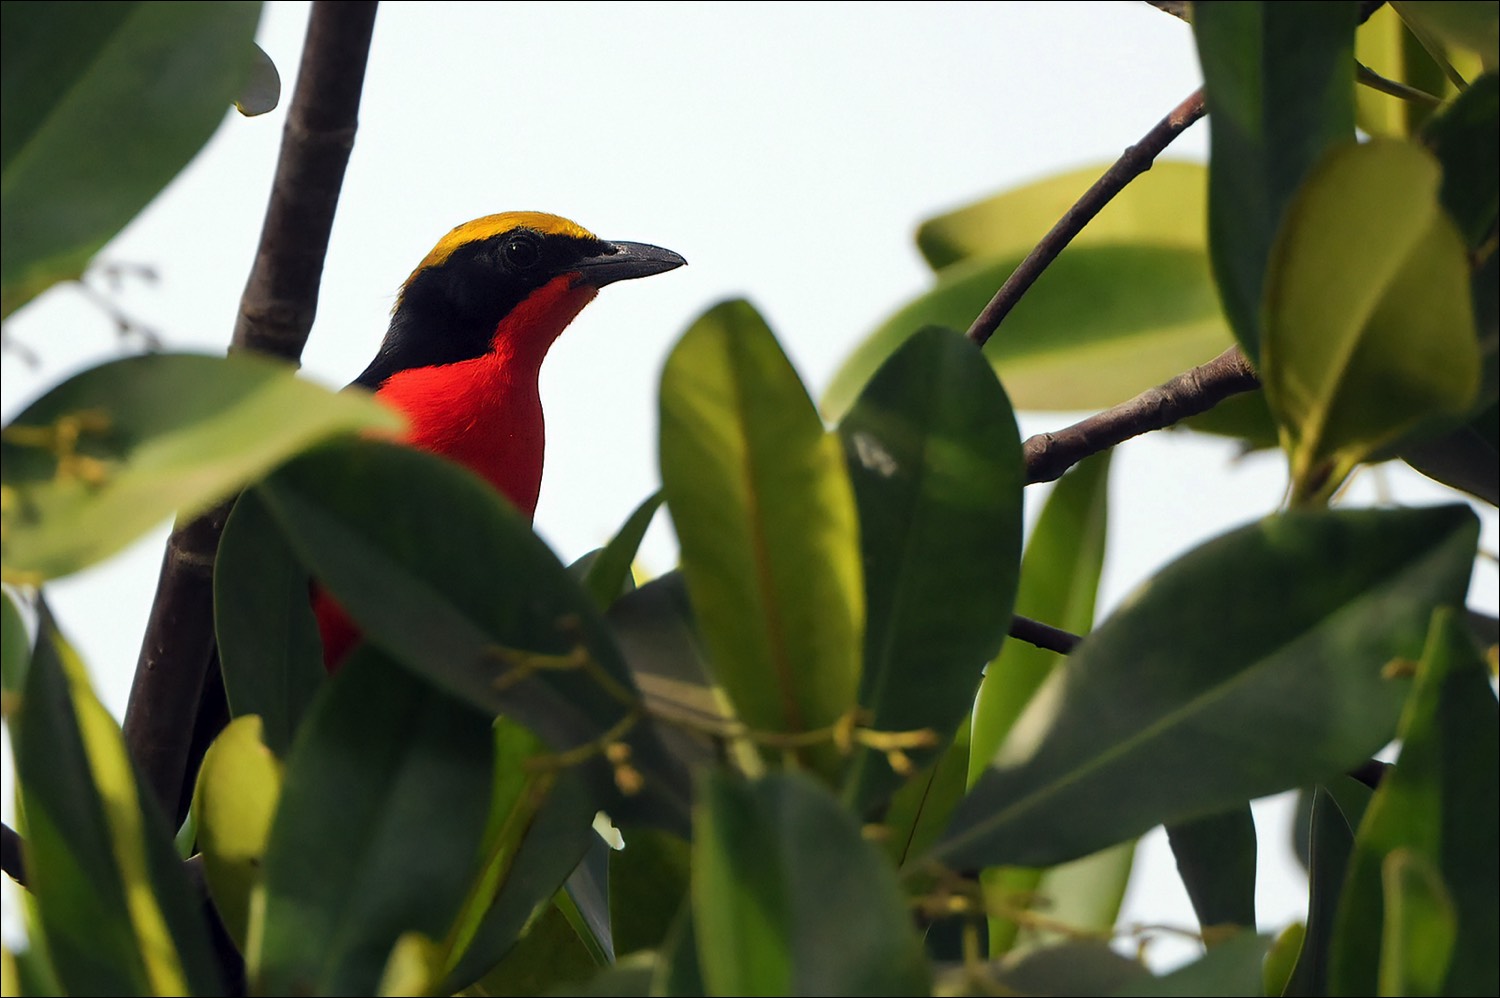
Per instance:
(521,252)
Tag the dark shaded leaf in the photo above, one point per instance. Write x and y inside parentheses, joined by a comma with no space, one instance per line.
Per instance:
(789,899)
(446,576)
(1279,84)
(375,836)
(1216,857)
(935,459)
(139,87)
(1274,635)
(269,650)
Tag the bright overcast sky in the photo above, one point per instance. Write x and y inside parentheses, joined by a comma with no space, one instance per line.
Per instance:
(787,150)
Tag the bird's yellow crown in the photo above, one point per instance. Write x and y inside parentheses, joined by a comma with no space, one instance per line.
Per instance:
(493,225)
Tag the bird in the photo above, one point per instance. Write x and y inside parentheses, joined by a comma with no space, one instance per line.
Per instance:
(464,349)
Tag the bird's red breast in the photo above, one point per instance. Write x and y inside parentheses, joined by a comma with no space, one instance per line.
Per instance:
(464,352)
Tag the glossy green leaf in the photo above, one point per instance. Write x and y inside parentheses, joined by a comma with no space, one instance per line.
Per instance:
(1332,843)
(375,836)
(1368,326)
(1165,206)
(1472,26)
(549,956)
(269,650)
(1216,858)
(1276,973)
(1279,87)
(239,784)
(789,899)
(766,521)
(103,105)
(1440,803)
(935,459)
(1420,928)
(648,884)
(1059,581)
(1467,458)
(111,452)
(1233,967)
(539,826)
(15,655)
(608,574)
(919,809)
(115,908)
(658,636)
(1274,635)
(443,575)
(1103,323)
(1465,138)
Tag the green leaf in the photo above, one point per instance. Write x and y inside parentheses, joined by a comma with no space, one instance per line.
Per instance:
(608,574)
(550,955)
(15,655)
(1163,207)
(269,649)
(919,809)
(239,784)
(1420,928)
(1368,326)
(1276,974)
(539,826)
(1274,635)
(1387,47)
(1331,844)
(766,520)
(1084,894)
(1467,458)
(648,884)
(114,906)
(103,105)
(1233,967)
(1440,804)
(1465,138)
(1279,85)
(1216,857)
(375,836)
(1472,26)
(935,459)
(658,636)
(111,452)
(1103,323)
(1059,581)
(789,899)
(445,576)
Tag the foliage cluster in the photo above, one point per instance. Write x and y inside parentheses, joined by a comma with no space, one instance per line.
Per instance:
(818,791)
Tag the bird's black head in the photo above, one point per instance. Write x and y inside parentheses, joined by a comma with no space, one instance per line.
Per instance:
(451,306)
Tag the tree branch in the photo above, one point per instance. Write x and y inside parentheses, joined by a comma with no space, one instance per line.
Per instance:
(276,313)
(1048,455)
(1135,161)
(1034,632)
(12,858)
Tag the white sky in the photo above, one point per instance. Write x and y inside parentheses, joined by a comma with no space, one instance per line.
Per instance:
(787,150)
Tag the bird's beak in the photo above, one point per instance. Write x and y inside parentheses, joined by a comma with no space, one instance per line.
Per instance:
(624,262)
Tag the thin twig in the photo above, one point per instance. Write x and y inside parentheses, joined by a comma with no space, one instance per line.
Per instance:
(276,313)
(1048,455)
(1034,632)
(1132,163)
(12,854)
